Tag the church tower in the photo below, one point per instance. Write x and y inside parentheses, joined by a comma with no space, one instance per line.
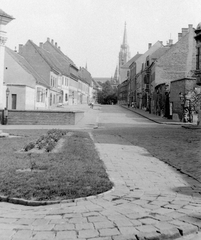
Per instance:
(124,54)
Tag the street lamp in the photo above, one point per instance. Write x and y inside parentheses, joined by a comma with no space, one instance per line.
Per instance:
(7,94)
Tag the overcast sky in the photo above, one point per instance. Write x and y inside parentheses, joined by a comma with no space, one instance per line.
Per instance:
(91,31)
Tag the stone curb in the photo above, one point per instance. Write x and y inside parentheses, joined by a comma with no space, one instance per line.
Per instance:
(25,202)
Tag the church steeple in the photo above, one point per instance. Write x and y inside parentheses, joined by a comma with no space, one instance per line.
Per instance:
(125,36)
(124,54)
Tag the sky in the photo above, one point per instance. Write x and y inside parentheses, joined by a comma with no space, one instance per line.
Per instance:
(91,31)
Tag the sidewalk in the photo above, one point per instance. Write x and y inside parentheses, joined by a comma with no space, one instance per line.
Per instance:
(161,120)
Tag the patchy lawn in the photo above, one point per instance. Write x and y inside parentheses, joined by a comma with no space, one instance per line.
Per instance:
(74,171)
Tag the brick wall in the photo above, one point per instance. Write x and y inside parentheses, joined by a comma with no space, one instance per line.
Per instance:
(32,117)
(178,61)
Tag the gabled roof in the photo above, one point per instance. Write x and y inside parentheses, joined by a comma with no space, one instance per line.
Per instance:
(46,56)
(61,60)
(27,67)
(133,59)
(85,76)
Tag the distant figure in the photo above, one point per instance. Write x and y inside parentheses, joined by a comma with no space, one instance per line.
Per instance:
(91,105)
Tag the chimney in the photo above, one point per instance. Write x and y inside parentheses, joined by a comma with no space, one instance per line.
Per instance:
(161,42)
(56,44)
(170,42)
(41,45)
(20,48)
(184,31)
(52,42)
(179,36)
(48,39)
(149,45)
(190,26)
(59,48)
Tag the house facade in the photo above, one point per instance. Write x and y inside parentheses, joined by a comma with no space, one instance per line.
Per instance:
(27,89)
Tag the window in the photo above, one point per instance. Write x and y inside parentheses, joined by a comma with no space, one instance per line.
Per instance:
(66,97)
(40,95)
(50,99)
(54,99)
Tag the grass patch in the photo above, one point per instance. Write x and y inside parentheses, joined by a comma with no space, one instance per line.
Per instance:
(75,171)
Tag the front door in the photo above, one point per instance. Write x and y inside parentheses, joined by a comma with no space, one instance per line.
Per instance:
(14,101)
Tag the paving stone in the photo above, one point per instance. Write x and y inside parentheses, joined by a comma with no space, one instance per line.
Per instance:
(78,220)
(146,228)
(148,221)
(22,234)
(66,235)
(44,235)
(169,234)
(88,233)
(63,227)
(108,232)
(53,217)
(125,237)
(164,225)
(105,224)
(46,227)
(40,222)
(149,236)
(25,221)
(97,219)
(84,226)
(128,230)
(123,222)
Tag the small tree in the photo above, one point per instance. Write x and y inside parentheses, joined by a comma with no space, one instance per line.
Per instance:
(108,95)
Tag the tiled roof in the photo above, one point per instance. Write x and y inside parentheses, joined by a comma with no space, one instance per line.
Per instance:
(61,61)
(24,64)
(85,76)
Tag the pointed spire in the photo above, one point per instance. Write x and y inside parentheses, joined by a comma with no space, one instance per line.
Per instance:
(86,66)
(125,36)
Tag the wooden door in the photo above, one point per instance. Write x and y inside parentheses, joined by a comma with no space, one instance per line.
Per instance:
(14,101)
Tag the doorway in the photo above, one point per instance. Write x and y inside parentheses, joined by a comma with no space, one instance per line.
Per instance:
(14,101)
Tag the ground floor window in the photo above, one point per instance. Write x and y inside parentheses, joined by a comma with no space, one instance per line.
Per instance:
(66,97)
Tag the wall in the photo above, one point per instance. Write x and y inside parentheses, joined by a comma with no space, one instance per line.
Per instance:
(31,117)
(177,62)
(29,98)
(183,86)
(20,92)
(14,73)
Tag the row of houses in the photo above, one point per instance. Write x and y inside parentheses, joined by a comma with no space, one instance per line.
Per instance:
(163,78)
(43,77)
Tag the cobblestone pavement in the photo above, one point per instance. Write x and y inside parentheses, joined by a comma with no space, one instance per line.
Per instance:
(142,205)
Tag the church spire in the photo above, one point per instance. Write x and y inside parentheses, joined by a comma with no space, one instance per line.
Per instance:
(125,36)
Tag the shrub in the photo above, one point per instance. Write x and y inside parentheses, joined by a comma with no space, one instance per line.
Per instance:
(47,141)
(29,146)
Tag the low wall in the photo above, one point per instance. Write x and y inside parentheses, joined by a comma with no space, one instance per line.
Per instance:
(42,117)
